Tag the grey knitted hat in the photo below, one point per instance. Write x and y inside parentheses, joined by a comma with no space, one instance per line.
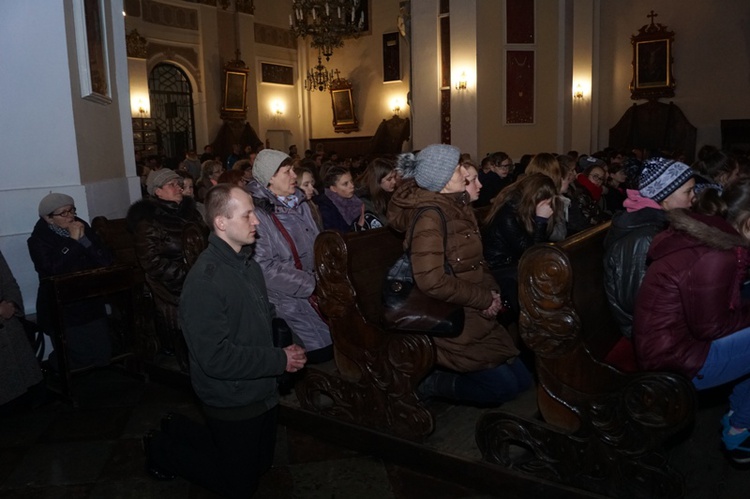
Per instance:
(158,178)
(432,167)
(660,177)
(267,163)
(53,201)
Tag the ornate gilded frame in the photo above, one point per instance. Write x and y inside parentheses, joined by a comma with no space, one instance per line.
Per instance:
(652,62)
(344,117)
(234,101)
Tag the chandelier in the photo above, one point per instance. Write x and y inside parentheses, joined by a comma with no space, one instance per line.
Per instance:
(326,22)
(318,77)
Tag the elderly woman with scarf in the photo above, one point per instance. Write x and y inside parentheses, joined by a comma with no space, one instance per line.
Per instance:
(284,250)
(59,244)
(480,366)
(663,185)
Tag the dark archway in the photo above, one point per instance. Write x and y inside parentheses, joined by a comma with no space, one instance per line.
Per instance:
(171,98)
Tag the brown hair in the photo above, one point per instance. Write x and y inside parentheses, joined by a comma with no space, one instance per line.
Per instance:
(527,192)
(547,164)
(231,177)
(369,183)
(217,202)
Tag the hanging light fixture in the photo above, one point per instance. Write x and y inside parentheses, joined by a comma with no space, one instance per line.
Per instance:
(326,22)
(318,77)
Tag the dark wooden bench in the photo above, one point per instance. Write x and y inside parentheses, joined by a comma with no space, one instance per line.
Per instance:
(602,430)
(115,285)
(376,371)
(116,236)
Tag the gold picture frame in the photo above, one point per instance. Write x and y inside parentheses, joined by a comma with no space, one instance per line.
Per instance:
(652,62)
(344,116)
(234,100)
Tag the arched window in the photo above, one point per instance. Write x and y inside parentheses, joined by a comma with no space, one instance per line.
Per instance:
(172,111)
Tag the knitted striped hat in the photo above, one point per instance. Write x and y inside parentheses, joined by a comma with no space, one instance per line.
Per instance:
(660,177)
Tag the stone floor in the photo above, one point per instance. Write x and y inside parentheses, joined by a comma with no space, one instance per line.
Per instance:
(95,452)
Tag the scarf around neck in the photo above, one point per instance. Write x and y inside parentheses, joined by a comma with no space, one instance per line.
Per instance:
(350,209)
(637,202)
(594,190)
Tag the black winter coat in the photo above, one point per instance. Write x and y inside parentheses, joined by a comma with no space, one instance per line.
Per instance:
(53,255)
(505,238)
(625,252)
(157,226)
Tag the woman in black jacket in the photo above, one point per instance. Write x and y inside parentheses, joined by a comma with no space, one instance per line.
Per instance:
(518,218)
(157,223)
(59,244)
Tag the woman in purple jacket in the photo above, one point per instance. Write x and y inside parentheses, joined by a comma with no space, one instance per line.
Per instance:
(689,315)
(284,250)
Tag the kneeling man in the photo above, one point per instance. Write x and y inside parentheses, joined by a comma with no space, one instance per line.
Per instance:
(226,319)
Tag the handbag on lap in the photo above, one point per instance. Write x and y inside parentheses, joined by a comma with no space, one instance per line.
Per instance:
(407,308)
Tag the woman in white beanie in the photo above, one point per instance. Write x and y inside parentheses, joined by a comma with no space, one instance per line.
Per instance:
(480,366)
(59,244)
(284,250)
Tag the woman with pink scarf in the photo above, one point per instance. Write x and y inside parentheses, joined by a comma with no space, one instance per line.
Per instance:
(663,185)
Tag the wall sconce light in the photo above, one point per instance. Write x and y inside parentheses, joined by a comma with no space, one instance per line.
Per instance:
(396,107)
(578,94)
(461,84)
(277,108)
(139,108)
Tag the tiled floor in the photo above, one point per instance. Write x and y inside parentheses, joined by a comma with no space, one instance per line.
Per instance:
(57,452)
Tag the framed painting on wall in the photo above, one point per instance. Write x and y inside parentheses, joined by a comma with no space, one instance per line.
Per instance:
(652,62)
(89,18)
(235,86)
(344,118)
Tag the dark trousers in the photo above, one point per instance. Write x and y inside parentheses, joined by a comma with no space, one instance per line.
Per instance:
(226,457)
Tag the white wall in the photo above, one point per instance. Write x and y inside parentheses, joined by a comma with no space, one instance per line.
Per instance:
(425,91)
(46,131)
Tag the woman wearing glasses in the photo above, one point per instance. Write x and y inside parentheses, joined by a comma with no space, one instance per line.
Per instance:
(585,195)
(59,244)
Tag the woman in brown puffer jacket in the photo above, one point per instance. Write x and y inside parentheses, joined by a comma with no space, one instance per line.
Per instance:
(480,366)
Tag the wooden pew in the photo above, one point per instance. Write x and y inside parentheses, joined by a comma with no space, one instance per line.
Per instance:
(115,284)
(373,381)
(602,430)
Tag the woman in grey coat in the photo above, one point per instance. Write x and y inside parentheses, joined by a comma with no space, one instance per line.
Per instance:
(19,369)
(289,278)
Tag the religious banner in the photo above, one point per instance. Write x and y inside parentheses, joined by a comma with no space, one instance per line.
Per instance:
(519,98)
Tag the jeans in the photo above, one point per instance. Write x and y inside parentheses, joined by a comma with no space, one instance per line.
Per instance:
(729,360)
(488,387)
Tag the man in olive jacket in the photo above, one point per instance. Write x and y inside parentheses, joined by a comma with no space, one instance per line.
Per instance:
(226,319)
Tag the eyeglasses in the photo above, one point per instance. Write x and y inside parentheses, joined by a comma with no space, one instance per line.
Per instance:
(173,183)
(64,213)
(595,176)
(504,165)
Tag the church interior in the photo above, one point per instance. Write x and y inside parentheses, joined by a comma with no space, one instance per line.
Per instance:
(115,81)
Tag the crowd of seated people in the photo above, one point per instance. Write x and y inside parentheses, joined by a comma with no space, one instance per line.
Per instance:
(545,197)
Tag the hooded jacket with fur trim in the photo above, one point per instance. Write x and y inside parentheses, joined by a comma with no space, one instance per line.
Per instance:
(690,295)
